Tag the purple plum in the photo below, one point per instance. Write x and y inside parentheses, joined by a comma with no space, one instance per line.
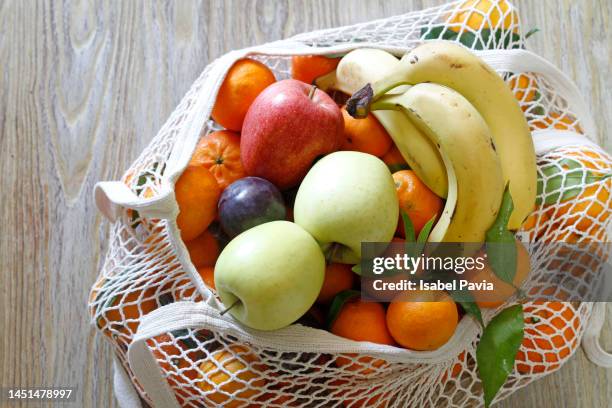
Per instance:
(249,202)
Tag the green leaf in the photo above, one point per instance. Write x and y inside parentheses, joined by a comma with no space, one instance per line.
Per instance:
(357,269)
(411,250)
(501,255)
(468,303)
(424,234)
(182,335)
(565,179)
(440,32)
(473,309)
(497,350)
(502,38)
(538,109)
(337,304)
(408,227)
(531,32)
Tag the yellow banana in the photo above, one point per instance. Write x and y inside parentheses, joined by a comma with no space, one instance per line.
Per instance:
(367,65)
(454,66)
(475,181)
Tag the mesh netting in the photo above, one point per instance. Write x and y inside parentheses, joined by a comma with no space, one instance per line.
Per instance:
(147,267)
(212,368)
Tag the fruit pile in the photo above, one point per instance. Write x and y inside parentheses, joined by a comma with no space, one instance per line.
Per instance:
(363,148)
(308,168)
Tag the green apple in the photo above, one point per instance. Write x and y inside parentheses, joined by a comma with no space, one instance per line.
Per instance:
(345,199)
(270,275)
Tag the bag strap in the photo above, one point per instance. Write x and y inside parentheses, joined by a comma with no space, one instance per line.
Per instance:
(113,197)
(147,372)
(149,375)
(590,340)
(545,140)
(126,395)
(519,60)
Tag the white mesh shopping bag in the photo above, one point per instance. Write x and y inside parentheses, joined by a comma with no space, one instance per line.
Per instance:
(172,346)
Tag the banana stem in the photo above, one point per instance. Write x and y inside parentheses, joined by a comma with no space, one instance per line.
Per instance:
(386,102)
(326,82)
(359,105)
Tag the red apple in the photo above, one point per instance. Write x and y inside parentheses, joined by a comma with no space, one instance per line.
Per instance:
(286,128)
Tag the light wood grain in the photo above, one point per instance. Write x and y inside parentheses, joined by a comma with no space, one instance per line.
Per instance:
(84,87)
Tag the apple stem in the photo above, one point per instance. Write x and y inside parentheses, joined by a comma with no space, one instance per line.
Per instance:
(313,88)
(229,308)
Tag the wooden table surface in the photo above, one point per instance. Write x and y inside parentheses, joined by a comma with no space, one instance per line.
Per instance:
(86,85)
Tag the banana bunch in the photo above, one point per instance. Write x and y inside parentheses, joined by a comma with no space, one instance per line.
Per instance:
(365,66)
(465,144)
(472,118)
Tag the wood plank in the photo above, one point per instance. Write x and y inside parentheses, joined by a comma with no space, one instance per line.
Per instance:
(85,86)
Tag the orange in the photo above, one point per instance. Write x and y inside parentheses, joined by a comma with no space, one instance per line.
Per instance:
(558,121)
(365,135)
(203,250)
(416,200)
(535,225)
(184,289)
(172,359)
(363,365)
(245,383)
(207,273)
(280,394)
(145,186)
(219,152)
(501,290)
(524,87)
(166,352)
(243,82)
(122,311)
(592,205)
(181,289)
(550,336)
(394,159)
(197,193)
(455,369)
(356,400)
(338,277)
(573,253)
(422,320)
(479,14)
(307,68)
(362,321)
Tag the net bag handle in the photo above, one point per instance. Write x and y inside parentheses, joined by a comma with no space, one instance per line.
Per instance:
(125,393)
(590,339)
